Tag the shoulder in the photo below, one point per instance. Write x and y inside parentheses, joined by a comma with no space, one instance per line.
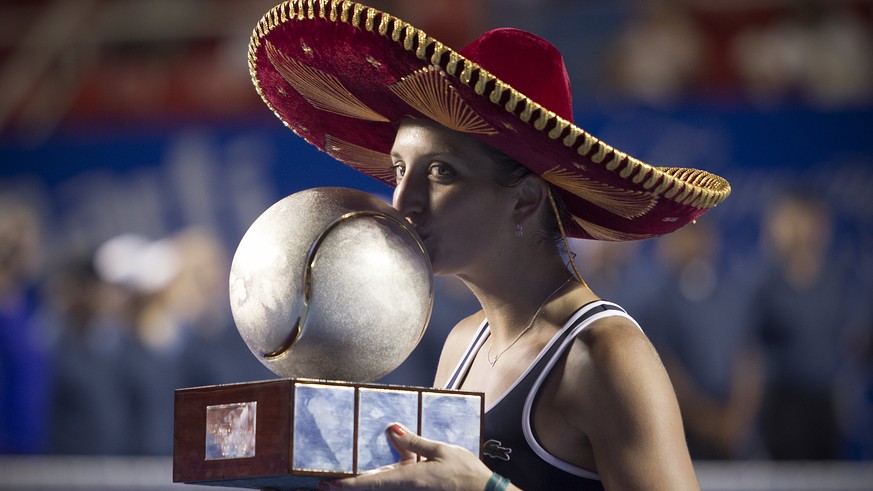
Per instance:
(614,342)
(614,389)
(611,369)
(461,335)
(456,344)
(468,325)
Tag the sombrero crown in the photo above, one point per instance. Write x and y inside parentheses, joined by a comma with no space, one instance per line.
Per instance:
(340,74)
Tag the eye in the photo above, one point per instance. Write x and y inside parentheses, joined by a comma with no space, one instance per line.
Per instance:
(441,170)
(399,171)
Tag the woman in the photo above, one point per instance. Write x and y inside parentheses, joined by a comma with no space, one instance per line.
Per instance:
(492,173)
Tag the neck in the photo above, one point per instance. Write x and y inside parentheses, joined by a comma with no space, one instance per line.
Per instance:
(510,300)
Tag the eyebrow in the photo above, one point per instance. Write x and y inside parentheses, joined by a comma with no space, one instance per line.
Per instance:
(431,155)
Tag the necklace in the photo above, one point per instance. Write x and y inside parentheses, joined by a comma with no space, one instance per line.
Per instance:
(526,329)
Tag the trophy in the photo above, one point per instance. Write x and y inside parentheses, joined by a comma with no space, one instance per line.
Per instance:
(331,289)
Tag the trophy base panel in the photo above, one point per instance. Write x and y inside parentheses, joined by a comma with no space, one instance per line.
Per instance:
(279,483)
(294,433)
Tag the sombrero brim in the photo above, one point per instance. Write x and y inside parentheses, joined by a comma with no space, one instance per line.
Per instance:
(341,75)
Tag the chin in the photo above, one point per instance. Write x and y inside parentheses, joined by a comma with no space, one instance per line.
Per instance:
(439,268)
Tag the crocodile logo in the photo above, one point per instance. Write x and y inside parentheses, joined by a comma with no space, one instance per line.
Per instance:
(496,450)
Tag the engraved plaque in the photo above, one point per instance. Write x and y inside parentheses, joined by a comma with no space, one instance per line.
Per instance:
(324,428)
(452,418)
(230,430)
(377,409)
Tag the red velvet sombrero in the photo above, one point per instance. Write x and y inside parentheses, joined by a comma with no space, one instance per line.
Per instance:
(340,75)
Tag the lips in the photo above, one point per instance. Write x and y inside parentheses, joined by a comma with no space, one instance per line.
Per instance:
(422,234)
(419,229)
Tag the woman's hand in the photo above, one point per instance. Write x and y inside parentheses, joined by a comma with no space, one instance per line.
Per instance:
(446,467)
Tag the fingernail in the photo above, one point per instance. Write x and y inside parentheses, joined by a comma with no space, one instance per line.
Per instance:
(397,429)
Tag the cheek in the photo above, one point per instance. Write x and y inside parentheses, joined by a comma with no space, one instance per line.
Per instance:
(478,214)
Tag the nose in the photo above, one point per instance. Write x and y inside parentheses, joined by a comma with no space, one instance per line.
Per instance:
(410,198)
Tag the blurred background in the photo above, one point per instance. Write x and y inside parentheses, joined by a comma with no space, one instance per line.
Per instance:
(135,153)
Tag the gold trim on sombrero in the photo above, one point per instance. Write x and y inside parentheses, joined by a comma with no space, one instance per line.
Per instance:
(709,189)
(623,202)
(375,163)
(322,90)
(604,233)
(689,187)
(428,91)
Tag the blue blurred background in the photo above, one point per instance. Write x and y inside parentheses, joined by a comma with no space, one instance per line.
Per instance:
(134,154)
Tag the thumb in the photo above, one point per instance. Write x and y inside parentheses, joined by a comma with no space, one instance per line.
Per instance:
(409,444)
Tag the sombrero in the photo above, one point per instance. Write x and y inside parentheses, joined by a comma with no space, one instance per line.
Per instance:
(341,75)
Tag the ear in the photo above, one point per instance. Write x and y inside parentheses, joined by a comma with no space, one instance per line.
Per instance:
(532,193)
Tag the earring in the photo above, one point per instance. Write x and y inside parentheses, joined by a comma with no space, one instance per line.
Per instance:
(519,232)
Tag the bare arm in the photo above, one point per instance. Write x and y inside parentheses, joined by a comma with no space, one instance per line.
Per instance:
(616,391)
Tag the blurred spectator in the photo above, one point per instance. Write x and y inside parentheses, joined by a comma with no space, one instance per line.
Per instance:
(92,393)
(855,389)
(180,318)
(23,350)
(818,52)
(801,307)
(696,320)
(145,268)
(199,296)
(658,56)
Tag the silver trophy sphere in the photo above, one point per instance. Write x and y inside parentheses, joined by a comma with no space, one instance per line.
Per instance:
(331,283)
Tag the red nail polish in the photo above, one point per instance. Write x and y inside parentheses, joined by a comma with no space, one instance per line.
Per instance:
(397,429)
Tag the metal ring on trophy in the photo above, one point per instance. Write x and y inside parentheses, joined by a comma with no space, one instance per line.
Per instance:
(310,262)
(331,283)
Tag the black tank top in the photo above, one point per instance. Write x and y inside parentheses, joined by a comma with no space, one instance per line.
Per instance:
(511,447)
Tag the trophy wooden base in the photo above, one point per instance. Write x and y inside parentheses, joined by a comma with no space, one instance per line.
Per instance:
(294,433)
